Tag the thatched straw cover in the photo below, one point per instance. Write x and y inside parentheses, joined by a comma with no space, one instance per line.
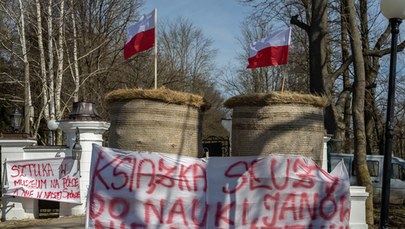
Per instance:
(277,123)
(160,94)
(261,99)
(159,120)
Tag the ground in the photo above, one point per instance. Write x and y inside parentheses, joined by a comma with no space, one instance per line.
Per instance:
(396,220)
(396,215)
(71,222)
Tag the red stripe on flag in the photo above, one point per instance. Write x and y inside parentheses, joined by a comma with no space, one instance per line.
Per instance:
(273,55)
(140,42)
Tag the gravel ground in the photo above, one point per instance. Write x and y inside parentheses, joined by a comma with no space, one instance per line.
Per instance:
(71,222)
(396,220)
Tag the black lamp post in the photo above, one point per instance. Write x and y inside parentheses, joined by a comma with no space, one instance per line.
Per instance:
(394,10)
(77,150)
(16,118)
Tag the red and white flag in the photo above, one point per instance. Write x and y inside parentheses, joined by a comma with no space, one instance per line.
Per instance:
(140,36)
(272,50)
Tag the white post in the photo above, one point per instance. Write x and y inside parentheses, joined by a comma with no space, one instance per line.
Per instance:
(358,196)
(89,132)
(325,153)
(358,207)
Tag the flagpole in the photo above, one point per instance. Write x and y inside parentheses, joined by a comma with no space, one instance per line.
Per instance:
(156,48)
(283,81)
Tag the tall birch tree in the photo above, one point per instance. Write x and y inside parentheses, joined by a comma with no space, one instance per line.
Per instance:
(51,75)
(27,85)
(44,80)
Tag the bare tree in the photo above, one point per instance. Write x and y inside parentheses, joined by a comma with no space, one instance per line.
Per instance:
(186,54)
(60,59)
(186,64)
(75,71)
(42,61)
(49,55)
(317,19)
(363,175)
(51,75)
(18,18)
(100,27)
(27,84)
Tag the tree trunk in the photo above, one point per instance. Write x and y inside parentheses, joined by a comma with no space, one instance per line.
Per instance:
(339,109)
(363,176)
(318,44)
(51,83)
(59,73)
(320,82)
(346,148)
(44,90)
(27,85)
(371,75)
(369,120)
(76,76)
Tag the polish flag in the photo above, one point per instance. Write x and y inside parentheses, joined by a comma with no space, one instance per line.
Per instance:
(140,36)
(272,50)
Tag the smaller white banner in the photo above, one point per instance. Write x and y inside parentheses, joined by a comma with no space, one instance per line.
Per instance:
(54,179)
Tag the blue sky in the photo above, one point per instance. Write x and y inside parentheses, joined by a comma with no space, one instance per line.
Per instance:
(219,20)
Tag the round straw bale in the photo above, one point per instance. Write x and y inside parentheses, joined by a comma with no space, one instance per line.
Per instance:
(159,120)
(277,123)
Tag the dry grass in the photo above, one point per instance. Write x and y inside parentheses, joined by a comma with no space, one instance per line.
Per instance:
(276,98)
(160,94)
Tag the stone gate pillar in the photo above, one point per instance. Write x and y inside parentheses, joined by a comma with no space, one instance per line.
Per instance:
(91,131)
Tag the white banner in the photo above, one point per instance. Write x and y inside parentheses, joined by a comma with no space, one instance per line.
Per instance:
(156,190)
(54,179)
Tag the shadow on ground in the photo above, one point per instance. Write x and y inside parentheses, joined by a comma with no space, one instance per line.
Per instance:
(71,222)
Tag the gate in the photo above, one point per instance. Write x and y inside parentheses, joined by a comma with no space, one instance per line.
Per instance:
(216,146)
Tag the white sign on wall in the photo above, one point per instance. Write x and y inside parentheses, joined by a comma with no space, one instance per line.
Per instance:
(55,179)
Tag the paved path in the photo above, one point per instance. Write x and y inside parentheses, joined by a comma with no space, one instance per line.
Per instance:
(72,222)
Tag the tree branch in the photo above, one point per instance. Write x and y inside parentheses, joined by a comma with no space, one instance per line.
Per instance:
(382,38)
(383,52)
(342,68)
(294,20)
